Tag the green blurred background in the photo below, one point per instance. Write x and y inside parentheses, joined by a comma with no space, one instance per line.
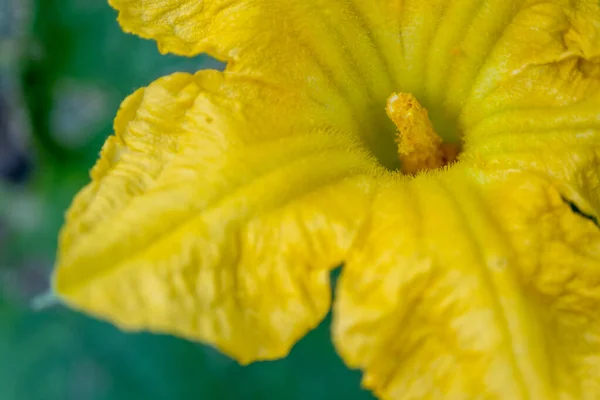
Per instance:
(64,68)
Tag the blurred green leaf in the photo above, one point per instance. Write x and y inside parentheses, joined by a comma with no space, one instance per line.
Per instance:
(79,68)
(60,355)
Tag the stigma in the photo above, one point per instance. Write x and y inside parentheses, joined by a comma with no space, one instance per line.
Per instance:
(419,146)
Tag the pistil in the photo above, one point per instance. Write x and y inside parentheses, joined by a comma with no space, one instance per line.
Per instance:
(419,146)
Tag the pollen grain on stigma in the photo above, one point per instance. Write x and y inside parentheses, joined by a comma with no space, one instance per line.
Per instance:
(419,146)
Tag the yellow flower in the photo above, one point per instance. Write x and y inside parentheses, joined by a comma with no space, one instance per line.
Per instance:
(223,201)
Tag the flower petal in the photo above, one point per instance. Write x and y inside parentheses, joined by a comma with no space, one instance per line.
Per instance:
(536,107)
(333,51)
(211,217)
(556,67)
(535,104)
(468,285)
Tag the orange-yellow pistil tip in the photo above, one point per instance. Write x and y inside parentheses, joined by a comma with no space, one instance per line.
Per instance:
(419,146)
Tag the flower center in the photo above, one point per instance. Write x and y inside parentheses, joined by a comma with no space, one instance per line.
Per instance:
(419,146)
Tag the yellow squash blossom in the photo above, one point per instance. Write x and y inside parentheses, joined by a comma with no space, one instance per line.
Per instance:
(446,152)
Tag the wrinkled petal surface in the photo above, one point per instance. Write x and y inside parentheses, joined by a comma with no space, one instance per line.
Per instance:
(211,219)
(467,288)
(338,52)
